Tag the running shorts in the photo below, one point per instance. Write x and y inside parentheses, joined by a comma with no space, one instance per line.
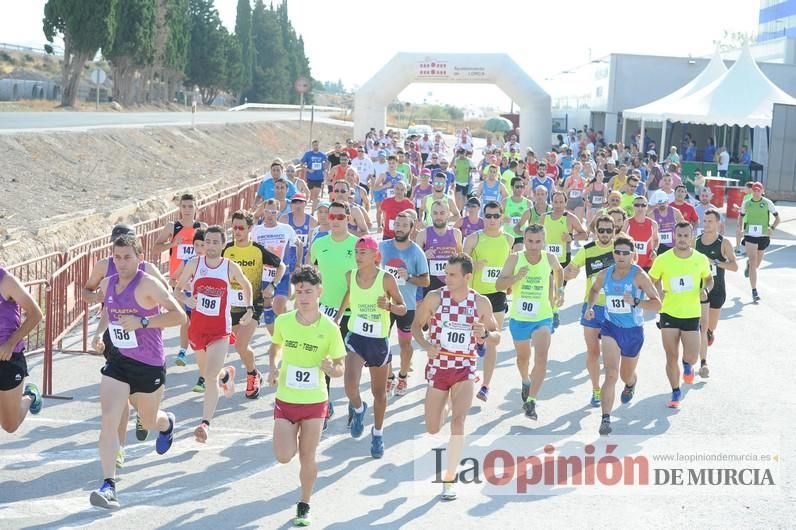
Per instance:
(762,242)
(683,324)
(141,377)
(298,412)
(498,301)
(13,371)
(443,372)
(629,340)
(599,317)
(374,351)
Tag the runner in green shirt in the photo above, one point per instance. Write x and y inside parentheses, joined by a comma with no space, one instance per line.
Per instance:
(310,345)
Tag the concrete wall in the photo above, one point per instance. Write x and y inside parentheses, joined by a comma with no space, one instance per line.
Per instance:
(781,181)
(15,89)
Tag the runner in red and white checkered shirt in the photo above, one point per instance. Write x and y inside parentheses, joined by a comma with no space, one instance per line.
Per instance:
(459,320)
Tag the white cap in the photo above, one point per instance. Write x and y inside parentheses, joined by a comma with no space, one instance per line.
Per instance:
(660,197)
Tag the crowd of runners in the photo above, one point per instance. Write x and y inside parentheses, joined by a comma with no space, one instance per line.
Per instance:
(441,242)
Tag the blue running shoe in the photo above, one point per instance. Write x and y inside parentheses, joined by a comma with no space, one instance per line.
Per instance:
(556,321)
(628,393)
(35,398)
(268,316)
(166,438)
(330,411)
(105,497)
(358,421)
(675,402)
(180,360)
(480,349)
(376,445)
(595,397)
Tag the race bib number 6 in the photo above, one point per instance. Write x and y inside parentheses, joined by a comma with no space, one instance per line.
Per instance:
(236,298)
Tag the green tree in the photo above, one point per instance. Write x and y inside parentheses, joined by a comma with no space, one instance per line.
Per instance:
(234,66)
(243,34)
(271,70)
(133,48)
(86,28)
(175,52)
(206,66)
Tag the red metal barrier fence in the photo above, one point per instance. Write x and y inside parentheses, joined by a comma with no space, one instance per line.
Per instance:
(56,280)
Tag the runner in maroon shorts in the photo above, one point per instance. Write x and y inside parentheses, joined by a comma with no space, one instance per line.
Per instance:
(209,279)
(459,319)
(310,346)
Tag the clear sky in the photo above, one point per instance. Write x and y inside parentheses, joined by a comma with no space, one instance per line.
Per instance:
(352,39)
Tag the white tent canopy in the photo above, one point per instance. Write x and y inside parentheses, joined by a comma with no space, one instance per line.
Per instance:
(659,109)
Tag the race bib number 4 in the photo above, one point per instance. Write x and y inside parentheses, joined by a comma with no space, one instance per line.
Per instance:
(616,304)
(367,328)
(681,284)
(208,305)
(438,267)
(300,378)
(330,312)
(122,338)
(236,298)
(456,336)
(528,308)
(185,252)
(490,274)
(556,250)
(754,230)
(666,238)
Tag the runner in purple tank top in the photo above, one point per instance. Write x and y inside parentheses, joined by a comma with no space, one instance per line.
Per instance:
(138,308)
(667,217)
(472,221)
(439,243)
(16,399)
(103,269)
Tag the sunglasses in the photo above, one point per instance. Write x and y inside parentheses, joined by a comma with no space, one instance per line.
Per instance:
(492,216)
(605,230)
(622,252)
(239,228)
(337,216)
(518,187)
(271,212)
(340,190)
(639,206)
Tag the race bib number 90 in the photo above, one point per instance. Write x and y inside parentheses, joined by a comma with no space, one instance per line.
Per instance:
(528,308)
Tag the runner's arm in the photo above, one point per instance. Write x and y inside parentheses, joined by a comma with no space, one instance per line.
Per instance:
(91,291)
(153,271)
(344,303)
(187,272)
(594,292)
(398,307)
(653,300)
(423,313)
(487,321)
(455,215)
(729,254)
(157,293)
(507,278)
(166,239)
(12,289)
(557,277)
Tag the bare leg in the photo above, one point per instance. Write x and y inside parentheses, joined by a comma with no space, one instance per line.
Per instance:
(113,401)
(243,337)
(14,406)
(490,359)
(309,437)
(611,359)
(671,345)
(285,440)
(378,386)
(541,345)
(462,395)
(590,336)
(351,378)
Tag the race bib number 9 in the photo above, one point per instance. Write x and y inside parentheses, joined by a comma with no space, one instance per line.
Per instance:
(490,274)
(666,238)
(236,298)
(681,284)
(208,305)
(122,338)
(185,252)
(300,378)
(367,328)
(616,304)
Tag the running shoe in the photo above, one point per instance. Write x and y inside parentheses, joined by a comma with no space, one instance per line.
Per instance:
(556,321)
(376,445)
(448,492)
(390,385)
(675,401)
(201,433)
(595,397)
(330,411)
(483,393)
(688,374)
(605,426)
(228,388)
(755,296)
(166,438)
(526,390)
(530,409)
(401,388)
(711,337)
(35,398)
(253,382)
(140,432)
(120,458)
(268,316)
(302,514)
(704,371)
(105,497)
(746,270)
(358,421)
(628,393)
(180,360)
(199,387)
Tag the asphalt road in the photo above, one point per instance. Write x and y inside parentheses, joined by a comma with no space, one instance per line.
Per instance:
(49,467)
(16,122)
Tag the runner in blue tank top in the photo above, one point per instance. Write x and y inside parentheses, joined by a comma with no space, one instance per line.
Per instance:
(628,291)
(303,223)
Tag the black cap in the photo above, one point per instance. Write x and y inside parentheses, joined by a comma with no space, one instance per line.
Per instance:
(473,201)
(120,230)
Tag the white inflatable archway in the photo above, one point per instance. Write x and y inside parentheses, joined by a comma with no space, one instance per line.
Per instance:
(498,69)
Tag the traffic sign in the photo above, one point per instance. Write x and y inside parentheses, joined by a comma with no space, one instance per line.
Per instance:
(302,85)
(98,76)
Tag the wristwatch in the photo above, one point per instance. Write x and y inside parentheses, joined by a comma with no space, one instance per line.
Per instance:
(636,302)
(144,322)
